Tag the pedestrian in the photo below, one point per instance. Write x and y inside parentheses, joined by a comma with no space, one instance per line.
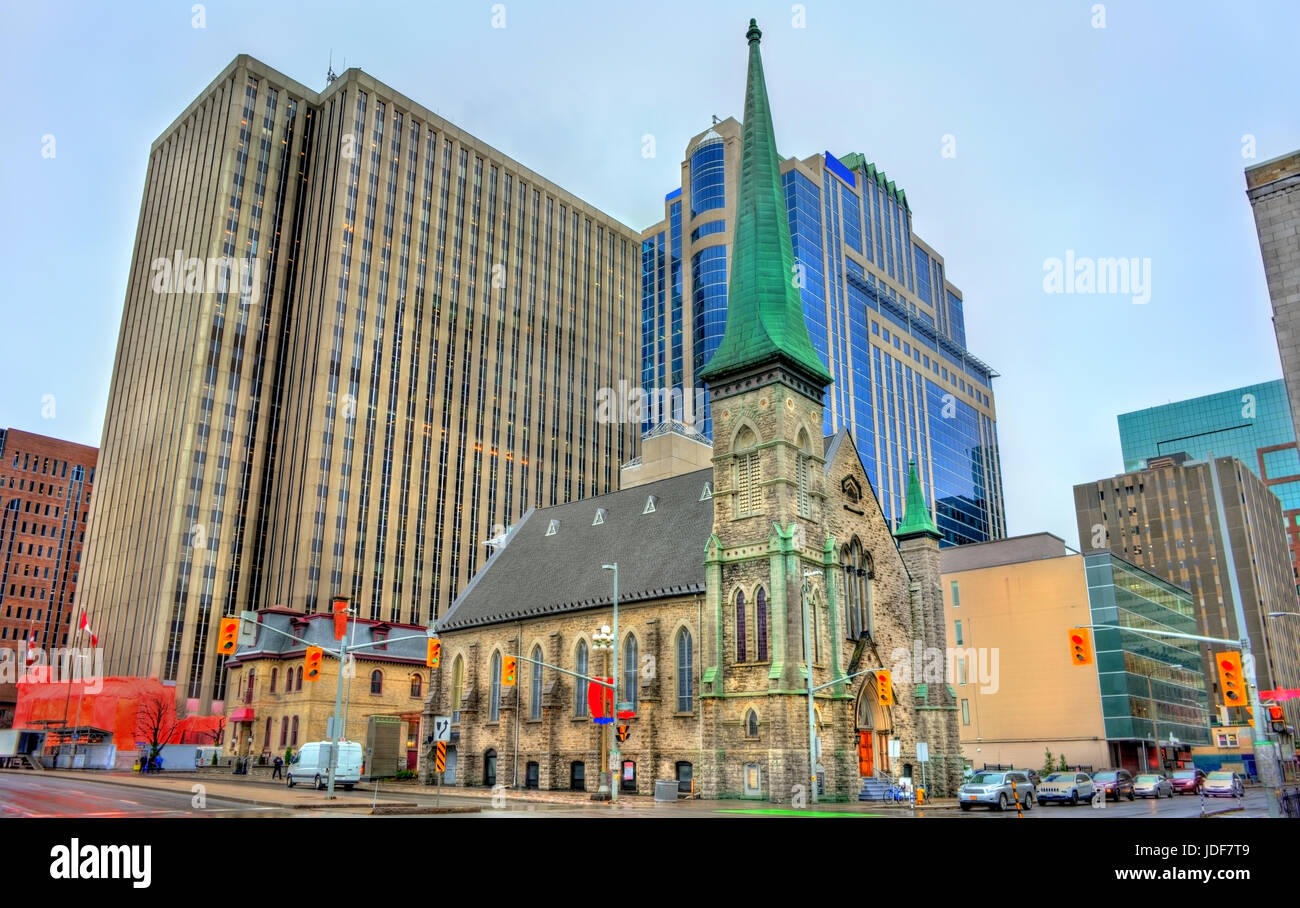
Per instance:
(277,764)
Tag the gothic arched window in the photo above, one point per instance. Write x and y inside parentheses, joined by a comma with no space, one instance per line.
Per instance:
(742,633)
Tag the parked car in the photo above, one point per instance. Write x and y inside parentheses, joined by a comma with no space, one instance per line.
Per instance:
(1066,787)
(1222,783)
(1153,785)
(1114,783)
(1188,781)
(313,762)
(994,790)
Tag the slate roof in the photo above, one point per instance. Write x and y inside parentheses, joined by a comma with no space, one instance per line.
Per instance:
(318,629)
(658,554)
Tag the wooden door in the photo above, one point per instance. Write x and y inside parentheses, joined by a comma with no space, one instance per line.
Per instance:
(866,765)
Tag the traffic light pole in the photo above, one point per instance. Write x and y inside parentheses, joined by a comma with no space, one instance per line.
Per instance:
(615,753)
(1265,767)
(1266,757)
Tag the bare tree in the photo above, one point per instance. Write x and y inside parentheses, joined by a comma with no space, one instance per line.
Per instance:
(156,723)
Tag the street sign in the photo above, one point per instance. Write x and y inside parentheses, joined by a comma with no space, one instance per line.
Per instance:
(442,728)
(600,700)
(895,748)
(247,628)
(440,759)
(922,752)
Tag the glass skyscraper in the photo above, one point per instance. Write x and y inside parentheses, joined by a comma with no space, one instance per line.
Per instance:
(883,317)
(1252,424)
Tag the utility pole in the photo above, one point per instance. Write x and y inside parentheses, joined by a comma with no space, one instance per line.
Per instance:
(615,753)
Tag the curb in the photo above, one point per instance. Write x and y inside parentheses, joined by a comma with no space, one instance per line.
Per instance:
(391,810)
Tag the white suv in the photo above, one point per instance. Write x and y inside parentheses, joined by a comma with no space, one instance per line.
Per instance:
(1066,787)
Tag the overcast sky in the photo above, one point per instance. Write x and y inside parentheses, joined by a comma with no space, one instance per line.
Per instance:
(1127,140)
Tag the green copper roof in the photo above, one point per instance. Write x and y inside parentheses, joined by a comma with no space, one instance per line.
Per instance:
(764,311)
(916,516)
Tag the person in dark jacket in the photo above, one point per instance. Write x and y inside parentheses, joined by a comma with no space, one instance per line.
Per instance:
(277,764)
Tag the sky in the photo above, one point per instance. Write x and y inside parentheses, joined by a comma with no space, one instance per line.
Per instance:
(1022,131)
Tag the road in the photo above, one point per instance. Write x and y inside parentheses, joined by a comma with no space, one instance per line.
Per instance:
(49,795)
(1178,806)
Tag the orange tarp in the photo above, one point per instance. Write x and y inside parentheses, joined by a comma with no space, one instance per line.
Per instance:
(115,706)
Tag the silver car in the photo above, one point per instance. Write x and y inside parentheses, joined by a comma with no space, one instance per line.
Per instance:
(1224,784)
(1153,785)
(997,790)
(1065,787)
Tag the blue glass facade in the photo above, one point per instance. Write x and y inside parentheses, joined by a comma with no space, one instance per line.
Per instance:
(879,312)
(1235,423)
(1151,687)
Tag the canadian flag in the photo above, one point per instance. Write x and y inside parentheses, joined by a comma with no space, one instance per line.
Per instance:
(31,651)
(85,626)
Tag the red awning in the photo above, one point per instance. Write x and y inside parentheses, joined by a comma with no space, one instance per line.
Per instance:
(242,714)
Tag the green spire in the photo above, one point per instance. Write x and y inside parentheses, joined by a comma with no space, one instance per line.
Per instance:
(764,311)
(916,516)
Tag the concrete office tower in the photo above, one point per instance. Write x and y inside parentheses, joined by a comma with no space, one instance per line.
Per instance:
(883,318)
(1252,424)
(1273,188)
(45,488)
(356,343)
(1165,519)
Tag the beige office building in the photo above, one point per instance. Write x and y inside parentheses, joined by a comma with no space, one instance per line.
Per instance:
(1273,188)
(356,344)
(1019,597)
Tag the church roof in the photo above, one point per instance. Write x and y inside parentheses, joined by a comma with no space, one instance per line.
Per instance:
(916,516)
(765,321)
(552,559)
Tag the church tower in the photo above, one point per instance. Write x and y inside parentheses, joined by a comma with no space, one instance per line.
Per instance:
(770,553)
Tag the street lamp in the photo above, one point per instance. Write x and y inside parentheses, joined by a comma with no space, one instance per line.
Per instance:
(807,656)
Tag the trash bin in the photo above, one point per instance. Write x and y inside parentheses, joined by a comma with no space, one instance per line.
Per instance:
(665,791)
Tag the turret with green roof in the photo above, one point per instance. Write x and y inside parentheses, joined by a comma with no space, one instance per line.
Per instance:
(916,516)
(765,322)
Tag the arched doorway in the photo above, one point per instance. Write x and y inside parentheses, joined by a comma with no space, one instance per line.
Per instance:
(873,731)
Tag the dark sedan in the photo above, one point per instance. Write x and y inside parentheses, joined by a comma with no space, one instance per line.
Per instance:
(1188,781)
(1114,783)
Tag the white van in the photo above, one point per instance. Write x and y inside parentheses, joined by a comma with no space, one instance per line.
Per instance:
(312,762)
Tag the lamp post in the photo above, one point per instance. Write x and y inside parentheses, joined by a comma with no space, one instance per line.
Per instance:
(808,660)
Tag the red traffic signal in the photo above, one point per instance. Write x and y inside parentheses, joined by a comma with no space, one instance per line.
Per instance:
(311,664)
(884,687)
(1277,718)
(1231,684)
(1080,646)
(226,640)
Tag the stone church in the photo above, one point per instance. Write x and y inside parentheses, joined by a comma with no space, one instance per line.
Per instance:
(741,567)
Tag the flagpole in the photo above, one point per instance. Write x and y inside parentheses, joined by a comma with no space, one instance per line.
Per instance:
(67,701)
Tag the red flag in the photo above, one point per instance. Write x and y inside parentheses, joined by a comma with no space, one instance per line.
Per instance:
(31,650)
(85,626)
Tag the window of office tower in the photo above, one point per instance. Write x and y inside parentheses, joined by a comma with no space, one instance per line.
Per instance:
(708,175)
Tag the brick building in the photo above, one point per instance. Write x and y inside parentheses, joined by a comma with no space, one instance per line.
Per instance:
(44,498)
(720,572)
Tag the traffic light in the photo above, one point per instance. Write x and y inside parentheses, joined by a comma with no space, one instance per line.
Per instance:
(311,666)
(1231,683)
(884,688)
(1080,646)
(340,618)
(229,632)
(508,671)
(434,654)
(1276,718)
